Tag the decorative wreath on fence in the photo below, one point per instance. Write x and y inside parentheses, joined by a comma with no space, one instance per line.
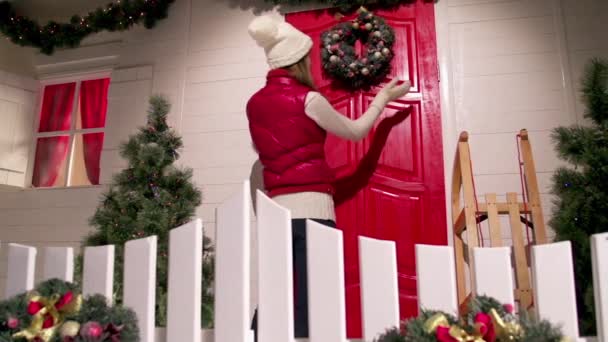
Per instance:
(55,311)
(340,60)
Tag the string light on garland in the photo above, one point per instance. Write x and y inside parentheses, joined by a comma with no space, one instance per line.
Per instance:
(117,16)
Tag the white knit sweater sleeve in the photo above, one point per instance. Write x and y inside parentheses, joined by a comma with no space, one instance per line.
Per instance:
(321,111)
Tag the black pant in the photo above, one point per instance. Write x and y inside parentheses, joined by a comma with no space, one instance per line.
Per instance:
(300,269)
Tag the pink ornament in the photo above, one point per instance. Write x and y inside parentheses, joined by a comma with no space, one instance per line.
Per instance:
(91,329)
(509,308)
(334,47)
(364,61)
(350,74)
(12,323)
(381,43)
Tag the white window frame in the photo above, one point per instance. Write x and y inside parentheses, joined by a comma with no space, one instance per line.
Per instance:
(77,78)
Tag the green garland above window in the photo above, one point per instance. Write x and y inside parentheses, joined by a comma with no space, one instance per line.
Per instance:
(346,5)
(120,15)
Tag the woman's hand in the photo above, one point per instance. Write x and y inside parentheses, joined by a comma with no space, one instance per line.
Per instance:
(392,91)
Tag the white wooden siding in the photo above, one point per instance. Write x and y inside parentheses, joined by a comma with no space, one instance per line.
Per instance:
(513,64)
(18,98)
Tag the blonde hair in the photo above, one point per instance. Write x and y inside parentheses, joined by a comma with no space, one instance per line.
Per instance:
(302,72)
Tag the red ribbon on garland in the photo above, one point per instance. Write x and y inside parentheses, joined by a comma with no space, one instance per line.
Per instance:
(34,307)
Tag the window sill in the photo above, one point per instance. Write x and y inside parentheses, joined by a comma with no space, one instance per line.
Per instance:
(64,187)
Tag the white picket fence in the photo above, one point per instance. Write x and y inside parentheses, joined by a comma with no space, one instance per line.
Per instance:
(551,269)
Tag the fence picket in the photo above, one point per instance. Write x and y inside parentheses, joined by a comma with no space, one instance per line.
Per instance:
(493,273)
(98,271)
(232,253)
(185,275)
(436,278)
(140,283)
(379,291)
(554,294)
(327,314)
(21,268)
(599,252)
(59,263)
(275,272)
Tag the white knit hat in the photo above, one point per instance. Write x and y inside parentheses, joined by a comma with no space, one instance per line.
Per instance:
(284,44)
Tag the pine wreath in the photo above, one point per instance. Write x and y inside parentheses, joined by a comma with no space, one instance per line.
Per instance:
(116,16)
(339,58)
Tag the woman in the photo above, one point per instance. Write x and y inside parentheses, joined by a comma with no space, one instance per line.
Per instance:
(288,122)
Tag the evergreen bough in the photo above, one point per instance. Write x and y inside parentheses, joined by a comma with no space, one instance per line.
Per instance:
(581,189)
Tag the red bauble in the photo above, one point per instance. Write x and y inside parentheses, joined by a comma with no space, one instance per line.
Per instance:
(91,330)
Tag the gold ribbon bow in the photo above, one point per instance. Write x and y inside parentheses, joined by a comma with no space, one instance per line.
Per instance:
(435,321)
(511,331)
(457,333)
(508,331)
(462,336)
(48,308)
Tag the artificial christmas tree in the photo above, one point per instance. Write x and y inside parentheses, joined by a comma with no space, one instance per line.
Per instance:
(581,207)
(150,197)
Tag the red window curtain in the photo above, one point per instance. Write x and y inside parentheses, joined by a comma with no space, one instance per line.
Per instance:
(93,107)
(57,104)
(50,156)
(55,115)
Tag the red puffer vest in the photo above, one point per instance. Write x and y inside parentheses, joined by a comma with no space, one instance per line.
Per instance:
(290,144)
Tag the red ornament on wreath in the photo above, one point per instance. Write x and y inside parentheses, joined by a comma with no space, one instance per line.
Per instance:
(339,58)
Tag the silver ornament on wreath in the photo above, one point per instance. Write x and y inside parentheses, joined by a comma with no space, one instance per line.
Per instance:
(340,60)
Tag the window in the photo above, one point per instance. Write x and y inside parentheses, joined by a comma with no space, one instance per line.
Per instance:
(70,133)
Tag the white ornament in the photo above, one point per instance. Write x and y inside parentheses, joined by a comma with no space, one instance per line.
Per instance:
(368,26)
(69,329)
(377,54)
(386,51)
(356,26)
(334,59)
(365,71)
(335,36)
(352,65)
(377,34)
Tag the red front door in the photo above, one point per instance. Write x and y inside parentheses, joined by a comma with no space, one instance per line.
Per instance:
(391,184)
